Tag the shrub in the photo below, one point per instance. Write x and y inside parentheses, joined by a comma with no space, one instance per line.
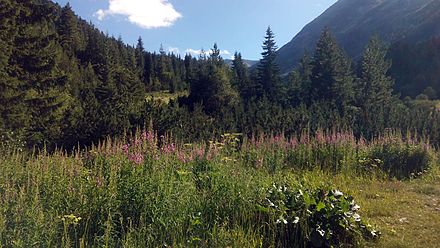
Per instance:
(402,160)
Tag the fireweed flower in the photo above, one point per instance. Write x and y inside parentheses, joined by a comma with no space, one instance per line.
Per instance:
(136,158)
(168,149)
(125,148)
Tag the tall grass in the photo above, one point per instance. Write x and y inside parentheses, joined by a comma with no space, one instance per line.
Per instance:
(150,191)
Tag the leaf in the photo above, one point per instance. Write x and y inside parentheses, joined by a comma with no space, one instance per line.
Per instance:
(320,206)
(262,209)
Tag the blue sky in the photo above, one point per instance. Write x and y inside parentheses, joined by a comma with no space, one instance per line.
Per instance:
(191,25)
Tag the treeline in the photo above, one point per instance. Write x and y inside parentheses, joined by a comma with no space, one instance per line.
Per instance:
(64,83)
(327,91)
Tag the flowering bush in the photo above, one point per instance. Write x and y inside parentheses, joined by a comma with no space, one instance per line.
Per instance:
(314,218)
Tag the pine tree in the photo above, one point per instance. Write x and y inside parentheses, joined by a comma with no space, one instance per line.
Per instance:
(374,89)
(212,85)
(241,80)
(268,72)
(12,112)
(140,60)
(300,84)
(69,31)
(375,85)
(331,78)
(35,63)
(149,70)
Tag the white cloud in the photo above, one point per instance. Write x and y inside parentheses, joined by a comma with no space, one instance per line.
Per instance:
(195,52)
(174,50)
(144,13)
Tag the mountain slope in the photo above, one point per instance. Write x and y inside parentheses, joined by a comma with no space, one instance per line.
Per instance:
(247,62)
(353,22)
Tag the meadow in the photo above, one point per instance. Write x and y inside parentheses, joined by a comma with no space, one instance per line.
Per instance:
(329,189)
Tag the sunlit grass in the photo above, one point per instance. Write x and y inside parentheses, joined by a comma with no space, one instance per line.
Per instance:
(164,97)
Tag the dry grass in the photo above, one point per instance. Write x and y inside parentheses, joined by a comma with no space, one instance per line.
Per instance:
(406,212)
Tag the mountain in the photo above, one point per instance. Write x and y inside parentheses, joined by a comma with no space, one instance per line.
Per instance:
(247,62)
(353,22)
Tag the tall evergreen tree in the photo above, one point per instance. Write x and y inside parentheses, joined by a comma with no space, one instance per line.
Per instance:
(268,72)
(241,80)
(12,112)
(149,70)
(69,31)
(35,63)
(215,56)
(212,85)
(374,88)
(331,78)
(299,91)
(140,60)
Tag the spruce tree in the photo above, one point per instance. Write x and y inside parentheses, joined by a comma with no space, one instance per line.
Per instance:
(375,85)
(300,84)
(12,112)
(268,72)
(149,70)
(331,77)
(140,60)
(241,81)
(374,88)
(35,64)
(70,36)
(212,85)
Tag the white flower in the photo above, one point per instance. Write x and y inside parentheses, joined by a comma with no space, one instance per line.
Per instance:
(282,220)
(337,193)
(357,217)
(296,220)
(356,207)
(271,203)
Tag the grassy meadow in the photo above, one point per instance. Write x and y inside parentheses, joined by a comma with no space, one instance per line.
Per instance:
(323,190)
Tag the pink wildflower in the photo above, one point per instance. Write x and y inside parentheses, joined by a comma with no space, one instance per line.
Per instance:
(136,158)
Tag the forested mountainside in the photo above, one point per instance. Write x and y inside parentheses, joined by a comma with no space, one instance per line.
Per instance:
(62,76)
(65,83)
(353,22)
(416,67)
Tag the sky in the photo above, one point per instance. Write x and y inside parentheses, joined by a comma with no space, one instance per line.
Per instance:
(188,26)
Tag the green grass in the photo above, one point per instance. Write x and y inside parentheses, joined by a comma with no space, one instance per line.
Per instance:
(147,191)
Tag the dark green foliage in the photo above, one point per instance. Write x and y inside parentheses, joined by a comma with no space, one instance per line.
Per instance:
(65,83)
(402,161)
(212,85)
(11,108)
(331,78)
(415,66)
(374,87)
(268,72)
(430,93)
(300,85)
(36,65)
(313,218)
(70,36)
